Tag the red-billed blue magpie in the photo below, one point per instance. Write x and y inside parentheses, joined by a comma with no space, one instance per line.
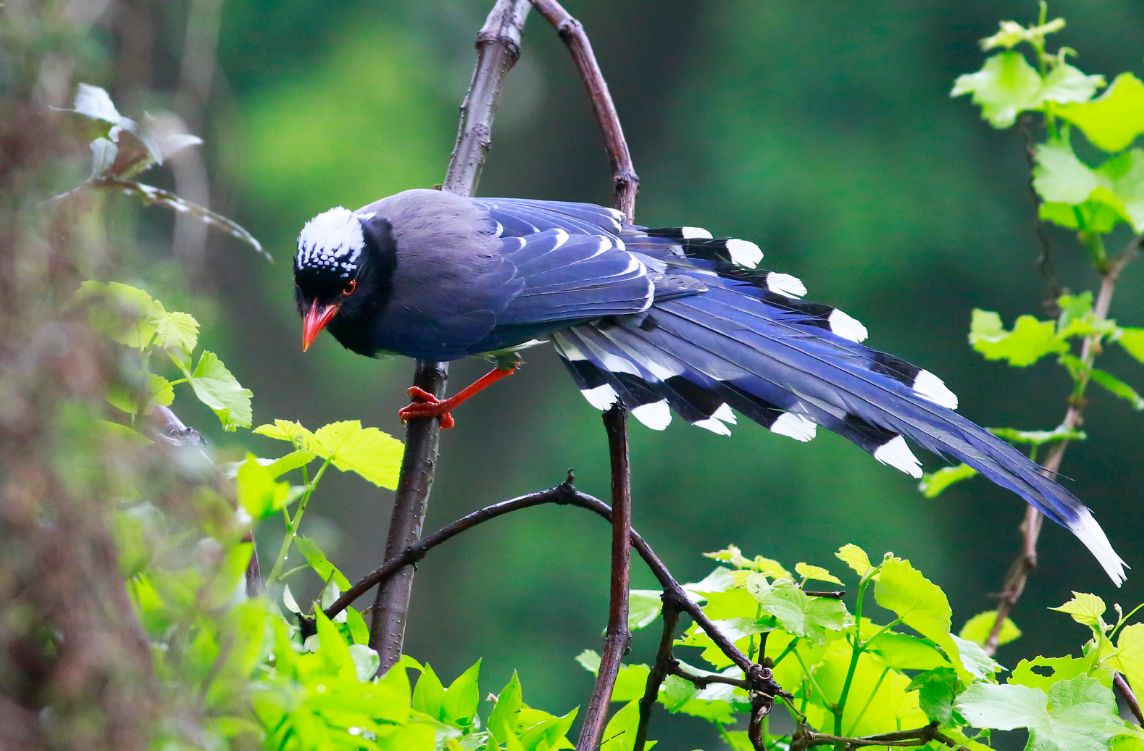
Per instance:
(665,320)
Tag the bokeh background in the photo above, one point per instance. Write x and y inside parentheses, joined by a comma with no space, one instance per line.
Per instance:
(822,130)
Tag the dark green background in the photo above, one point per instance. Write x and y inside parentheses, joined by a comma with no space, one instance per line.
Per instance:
(822,130)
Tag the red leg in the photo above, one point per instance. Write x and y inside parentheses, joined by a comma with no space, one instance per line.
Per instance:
(426,405)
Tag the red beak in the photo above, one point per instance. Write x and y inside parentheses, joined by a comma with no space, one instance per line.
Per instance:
(316,319)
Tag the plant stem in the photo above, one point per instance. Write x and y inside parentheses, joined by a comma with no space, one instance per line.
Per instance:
(292,524)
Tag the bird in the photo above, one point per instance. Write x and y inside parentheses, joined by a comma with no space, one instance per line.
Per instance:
(663,319)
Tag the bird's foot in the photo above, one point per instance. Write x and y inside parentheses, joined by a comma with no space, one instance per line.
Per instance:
(426,405)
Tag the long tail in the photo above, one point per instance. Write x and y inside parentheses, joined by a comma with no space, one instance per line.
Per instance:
(791,366)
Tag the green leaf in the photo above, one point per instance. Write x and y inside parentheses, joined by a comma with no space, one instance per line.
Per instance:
(1043,672)
(368,452)
(918,602)
(217,388)
(1012,33)
(333,650)
(630,681)
(162,392)
(817,573)
(975,660)
(463,697)
(1003,707)
(1038,437)
(643,607)
(259,494)
(934,483)
(1117,387)
(907,652)
(1029,341)
(936,691)
(286,430)
(288,463)
(1086,609)
(121,311)
(794,611)
(174,330)
(429,694)
(977,629)
(620,732)
(856,558)
(1129,655)
(1132,340)
(502,720)
(1004,87)
(318,561)
(1066,84)
(1115,119)
(1059,176)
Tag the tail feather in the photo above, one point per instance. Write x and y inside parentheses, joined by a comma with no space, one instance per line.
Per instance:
(706,353)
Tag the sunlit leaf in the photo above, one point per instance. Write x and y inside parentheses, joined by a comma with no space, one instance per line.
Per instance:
(217,388)
(918,602)
(856,558)
(259,494)
(1113,120)
(978,628)
(817,573)
(1086,609)
(1117,387)
(934,483)
(1029,341)
(1132,340)
(1129,655)
(1004,87)
(318,561)
(368,452)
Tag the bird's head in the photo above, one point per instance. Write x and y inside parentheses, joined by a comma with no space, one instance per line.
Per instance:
(341,270)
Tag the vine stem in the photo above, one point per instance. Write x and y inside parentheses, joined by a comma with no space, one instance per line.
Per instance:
(498,48)
(1015,581)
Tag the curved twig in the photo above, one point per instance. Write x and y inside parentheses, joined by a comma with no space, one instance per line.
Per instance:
(624,178)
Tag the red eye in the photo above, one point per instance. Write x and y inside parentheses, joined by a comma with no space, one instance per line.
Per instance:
(350,287)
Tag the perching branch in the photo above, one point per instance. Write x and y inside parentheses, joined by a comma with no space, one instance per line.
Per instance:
(1018,576)
(616,637)
(624,178)
(498,47)
(805,738)
(563,494)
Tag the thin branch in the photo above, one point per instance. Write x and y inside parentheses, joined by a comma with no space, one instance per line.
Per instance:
(1129,696)
(804,737)
(624,178)
(617,638)
(659,669)
(498,47)
(1018,575)
(563,494)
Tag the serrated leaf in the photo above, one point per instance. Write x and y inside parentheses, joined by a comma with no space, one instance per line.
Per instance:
(218,389)
(934,483)
(936,691)
(1129,655)
(1004,87)
(794,611)
(162,392)
(286,430)
(856,558)
(368,452)
(1029,341)
(1086,609)
(175,330)
(1113,120)
(918,603)
(1043,672)
(977,629)
(817,573)
(1116,387)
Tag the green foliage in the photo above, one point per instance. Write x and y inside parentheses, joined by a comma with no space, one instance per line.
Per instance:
(852,674)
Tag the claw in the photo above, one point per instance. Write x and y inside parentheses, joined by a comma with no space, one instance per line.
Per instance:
(426,405)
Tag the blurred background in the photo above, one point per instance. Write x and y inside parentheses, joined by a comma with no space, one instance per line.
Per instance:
(822,130)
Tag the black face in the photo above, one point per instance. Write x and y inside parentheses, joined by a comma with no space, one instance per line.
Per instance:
(354,279)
